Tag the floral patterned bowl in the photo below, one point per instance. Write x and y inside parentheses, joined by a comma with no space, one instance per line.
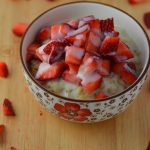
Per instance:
(81,110)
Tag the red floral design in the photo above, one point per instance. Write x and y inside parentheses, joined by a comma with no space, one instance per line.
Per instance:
(72,111)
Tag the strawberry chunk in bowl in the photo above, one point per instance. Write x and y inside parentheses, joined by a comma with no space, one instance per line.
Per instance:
(84,57)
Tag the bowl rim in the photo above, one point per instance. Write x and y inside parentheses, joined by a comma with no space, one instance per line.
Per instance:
(81,100)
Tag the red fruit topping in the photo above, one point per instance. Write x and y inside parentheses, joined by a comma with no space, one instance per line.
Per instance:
(101,95)
(73,68)
(107,25)
(3,70)
(2,128)
(73,23)
(147,19)
(70,77)
(110,44)
(7,108)
(31,51)
(19,28)
(74,55)
(13,148)
(44,34)
(148,147)
(123,53)
(47,71)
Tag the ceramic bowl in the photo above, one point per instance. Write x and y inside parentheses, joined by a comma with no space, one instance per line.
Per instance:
(84,111)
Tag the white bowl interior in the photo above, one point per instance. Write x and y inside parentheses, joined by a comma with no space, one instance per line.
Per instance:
(77,10)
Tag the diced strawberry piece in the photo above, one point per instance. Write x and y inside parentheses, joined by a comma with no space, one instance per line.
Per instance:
(58,32)
(7,108)
(70,77)
(147,19)
(103,67)
(31,51)
(74,55)
(85,20)
(95,26)
(93,42)
(136,1)
(73,68)
(2,128)
(107,25)
(123,53)
(47,71)
(112,34)
(73,23)
(101,95)
(19,28)
(41,54)
(91,82)
(44,34)
(128,77)
(110,44)
(78,37)
(118,68)
(132,65)
(3,70)
(88,66)
(13,148)
(87,56)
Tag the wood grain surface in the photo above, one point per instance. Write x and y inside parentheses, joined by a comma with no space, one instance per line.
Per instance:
(35,129)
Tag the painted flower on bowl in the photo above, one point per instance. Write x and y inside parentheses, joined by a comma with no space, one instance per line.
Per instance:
(72,111)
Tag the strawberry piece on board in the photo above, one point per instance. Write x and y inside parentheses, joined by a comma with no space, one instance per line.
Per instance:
(47,71)
(133,2)
(3,70)
(101,95)
(13,148)
(7,108)
(19,28)
(109,45)
(147,19)
(2,128)
(44,34)
(74,55)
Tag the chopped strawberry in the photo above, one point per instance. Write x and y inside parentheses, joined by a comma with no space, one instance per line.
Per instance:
(2,128)
(58,32)
(101,95)
(126,71)
(103,67)
(91,82)
(70,77)
(147,19)
(85,20)
(78,37)
(73,23)
(74,55)
(19,28)
(128,77)
(123,53)
(136,1)
(88,66)
(47,71)
(118,68)
(13,148)
(44,34)
(7,108)
(3,70)
(107,25)
(93,42)
(112,34)
(95,26)
(110,44)
(73,68)
(31,51)
(132,65)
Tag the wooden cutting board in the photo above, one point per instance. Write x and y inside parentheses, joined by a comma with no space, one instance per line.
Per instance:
(35,129)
